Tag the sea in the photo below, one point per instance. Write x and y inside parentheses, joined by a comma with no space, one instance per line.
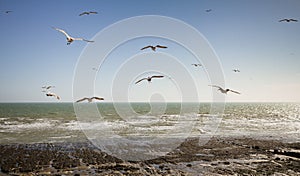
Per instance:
(68,122)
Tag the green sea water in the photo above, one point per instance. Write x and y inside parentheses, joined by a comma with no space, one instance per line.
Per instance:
(57,122)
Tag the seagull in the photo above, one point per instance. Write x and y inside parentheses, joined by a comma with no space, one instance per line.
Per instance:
(89,99)
(154,47)
(149,78)
(8,11)
(69,38)
(236,70)
(224,90)
(288,20)
(47,87)
(208,10)
(96,69)
(196,65)
(87,13)
(49,94)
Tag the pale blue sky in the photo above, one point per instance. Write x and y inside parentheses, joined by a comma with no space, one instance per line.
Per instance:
(245,34)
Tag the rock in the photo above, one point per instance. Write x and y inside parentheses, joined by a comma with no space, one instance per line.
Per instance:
(189,165)
(256,147)
(226,162)
(218,156)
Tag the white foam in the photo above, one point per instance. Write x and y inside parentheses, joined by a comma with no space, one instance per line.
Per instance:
(13,126)
(61,137)
(277,128)
(71,125)
(3,118)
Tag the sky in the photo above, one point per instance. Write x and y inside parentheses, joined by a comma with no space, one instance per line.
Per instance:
(244,35)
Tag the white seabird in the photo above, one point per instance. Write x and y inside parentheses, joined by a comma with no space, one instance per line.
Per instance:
(149,78)
(69,38)
(89,99)
(87,13)
(288,20)
(153,47)
(224,90)
(50,94)
(196,65)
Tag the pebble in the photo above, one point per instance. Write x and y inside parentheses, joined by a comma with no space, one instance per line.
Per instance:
(214,158)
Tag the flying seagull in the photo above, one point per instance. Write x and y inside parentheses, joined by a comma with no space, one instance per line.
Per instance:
(288,20)
(89,99)
(149,78)
(47,87)
(50,94)
(224,90)
(196,65)
(208,10)
(96,69)
(154,47)
(69,38)
(87,13)
(8,11)
(236,70)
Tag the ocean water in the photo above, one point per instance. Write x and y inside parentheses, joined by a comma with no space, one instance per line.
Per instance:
(58,122)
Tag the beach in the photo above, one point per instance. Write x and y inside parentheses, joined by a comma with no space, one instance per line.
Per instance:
(220,156)
(251,139)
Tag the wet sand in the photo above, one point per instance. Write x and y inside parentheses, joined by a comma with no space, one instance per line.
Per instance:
(220,156)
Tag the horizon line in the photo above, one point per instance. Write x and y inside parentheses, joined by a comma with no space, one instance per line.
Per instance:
(156,102)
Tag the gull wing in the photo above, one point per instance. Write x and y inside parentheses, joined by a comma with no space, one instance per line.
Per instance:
(82,39)
(80,100)
(49,87)
(216,86)
(83,13)
(78,39)
(87,40)
(140,80)
(157,76)
(97,98)
(53,95)
(293,20)
(234,91)
(94,12)
(283,20)
(62,31)
(149,46)
(160,46)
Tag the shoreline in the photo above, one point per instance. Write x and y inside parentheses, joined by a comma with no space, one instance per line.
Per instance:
(220,156)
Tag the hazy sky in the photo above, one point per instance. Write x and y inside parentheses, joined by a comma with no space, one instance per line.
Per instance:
(245,34)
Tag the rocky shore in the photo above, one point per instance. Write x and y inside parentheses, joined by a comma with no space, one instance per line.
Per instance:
(220,156)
